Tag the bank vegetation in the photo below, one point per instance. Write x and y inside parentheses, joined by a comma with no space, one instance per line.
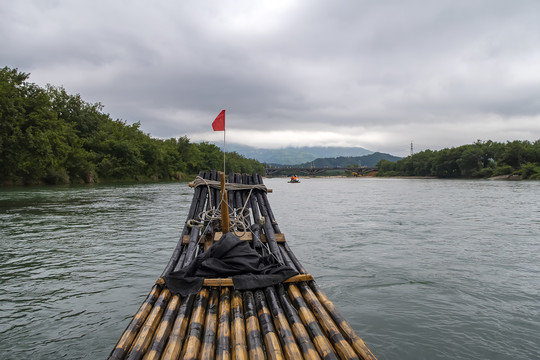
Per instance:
(483,159)
(50,136)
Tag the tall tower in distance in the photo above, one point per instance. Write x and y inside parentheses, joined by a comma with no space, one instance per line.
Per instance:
(412,149)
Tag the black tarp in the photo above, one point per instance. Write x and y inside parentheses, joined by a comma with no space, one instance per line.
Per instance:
(229,257)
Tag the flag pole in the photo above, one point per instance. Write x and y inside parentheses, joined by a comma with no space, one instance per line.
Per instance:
(224,151)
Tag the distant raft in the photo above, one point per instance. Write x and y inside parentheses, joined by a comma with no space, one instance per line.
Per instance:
(232,300)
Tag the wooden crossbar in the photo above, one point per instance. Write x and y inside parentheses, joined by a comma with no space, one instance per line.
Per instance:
(229,282)
(280,238)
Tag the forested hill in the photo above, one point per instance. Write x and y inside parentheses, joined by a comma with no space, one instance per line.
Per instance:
(297,155)
(482,159)
(370,160)
(49,136)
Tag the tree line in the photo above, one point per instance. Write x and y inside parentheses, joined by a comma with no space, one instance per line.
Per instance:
(49,136)
(483,159)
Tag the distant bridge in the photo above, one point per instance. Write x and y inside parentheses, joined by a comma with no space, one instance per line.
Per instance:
(362,170)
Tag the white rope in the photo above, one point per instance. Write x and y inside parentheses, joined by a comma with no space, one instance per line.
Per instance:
(237,220)
(199,181)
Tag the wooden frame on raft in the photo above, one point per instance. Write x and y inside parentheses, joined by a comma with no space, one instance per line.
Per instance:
(291,320)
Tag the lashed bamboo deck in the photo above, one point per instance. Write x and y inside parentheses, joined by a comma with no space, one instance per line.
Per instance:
(293,320)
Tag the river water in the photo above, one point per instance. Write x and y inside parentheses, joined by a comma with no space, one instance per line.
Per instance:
(422,269)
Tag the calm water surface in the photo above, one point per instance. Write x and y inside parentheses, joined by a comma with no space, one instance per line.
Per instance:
(422,269)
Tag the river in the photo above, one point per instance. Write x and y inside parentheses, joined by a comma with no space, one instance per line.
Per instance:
(422,269)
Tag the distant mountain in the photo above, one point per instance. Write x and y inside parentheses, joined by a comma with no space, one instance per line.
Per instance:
(370,160)
(296,155)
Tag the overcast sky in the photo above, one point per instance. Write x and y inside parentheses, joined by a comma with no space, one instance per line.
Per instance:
(375,74)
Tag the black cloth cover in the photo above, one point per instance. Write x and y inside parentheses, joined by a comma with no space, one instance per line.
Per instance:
(229,257)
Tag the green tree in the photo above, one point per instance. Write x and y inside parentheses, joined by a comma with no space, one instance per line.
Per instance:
(471,162)
(423,163)
(530,171)
(35,142)
(211,157)
(48,135)
(445,164)
(386,168)
(516,153)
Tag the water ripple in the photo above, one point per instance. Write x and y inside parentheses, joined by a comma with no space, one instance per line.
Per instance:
(421,269)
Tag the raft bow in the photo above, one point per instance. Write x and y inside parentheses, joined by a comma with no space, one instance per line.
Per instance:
(289,320)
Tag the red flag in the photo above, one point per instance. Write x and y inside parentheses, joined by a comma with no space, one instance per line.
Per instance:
(219,122)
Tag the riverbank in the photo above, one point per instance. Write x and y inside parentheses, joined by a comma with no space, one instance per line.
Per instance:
(180,177)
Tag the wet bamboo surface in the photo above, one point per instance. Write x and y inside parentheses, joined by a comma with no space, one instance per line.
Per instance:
(292,320)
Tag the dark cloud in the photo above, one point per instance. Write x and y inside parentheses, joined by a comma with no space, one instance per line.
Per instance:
(365,73)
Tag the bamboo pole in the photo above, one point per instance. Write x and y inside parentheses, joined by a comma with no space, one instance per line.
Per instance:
(142,342)
(323,345)
(197,208)
(245,199)
(212,204)
(348,332)
(290,347)
(164,329)
(239,346)
(230,193)
(178,333)
(269,208)
(224,327)
(254,205)
(271,339)
(253,331)
(296,262)
(202,198)
(300,333)
(286,258)
(224,206)
(331,330)
(214,192)
(125,341)
(192,342)
(238,194)
(189,253)
(256,219)
(268,228)
(176,252)
(210,328)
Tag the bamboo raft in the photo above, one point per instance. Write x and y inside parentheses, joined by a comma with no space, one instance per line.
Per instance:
(290,320)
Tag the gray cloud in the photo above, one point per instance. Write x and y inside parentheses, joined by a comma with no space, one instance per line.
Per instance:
(359,73)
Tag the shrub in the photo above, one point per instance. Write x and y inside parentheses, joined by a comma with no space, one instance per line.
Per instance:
(530,170)
(503,170)
(57,177)
(483,173)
